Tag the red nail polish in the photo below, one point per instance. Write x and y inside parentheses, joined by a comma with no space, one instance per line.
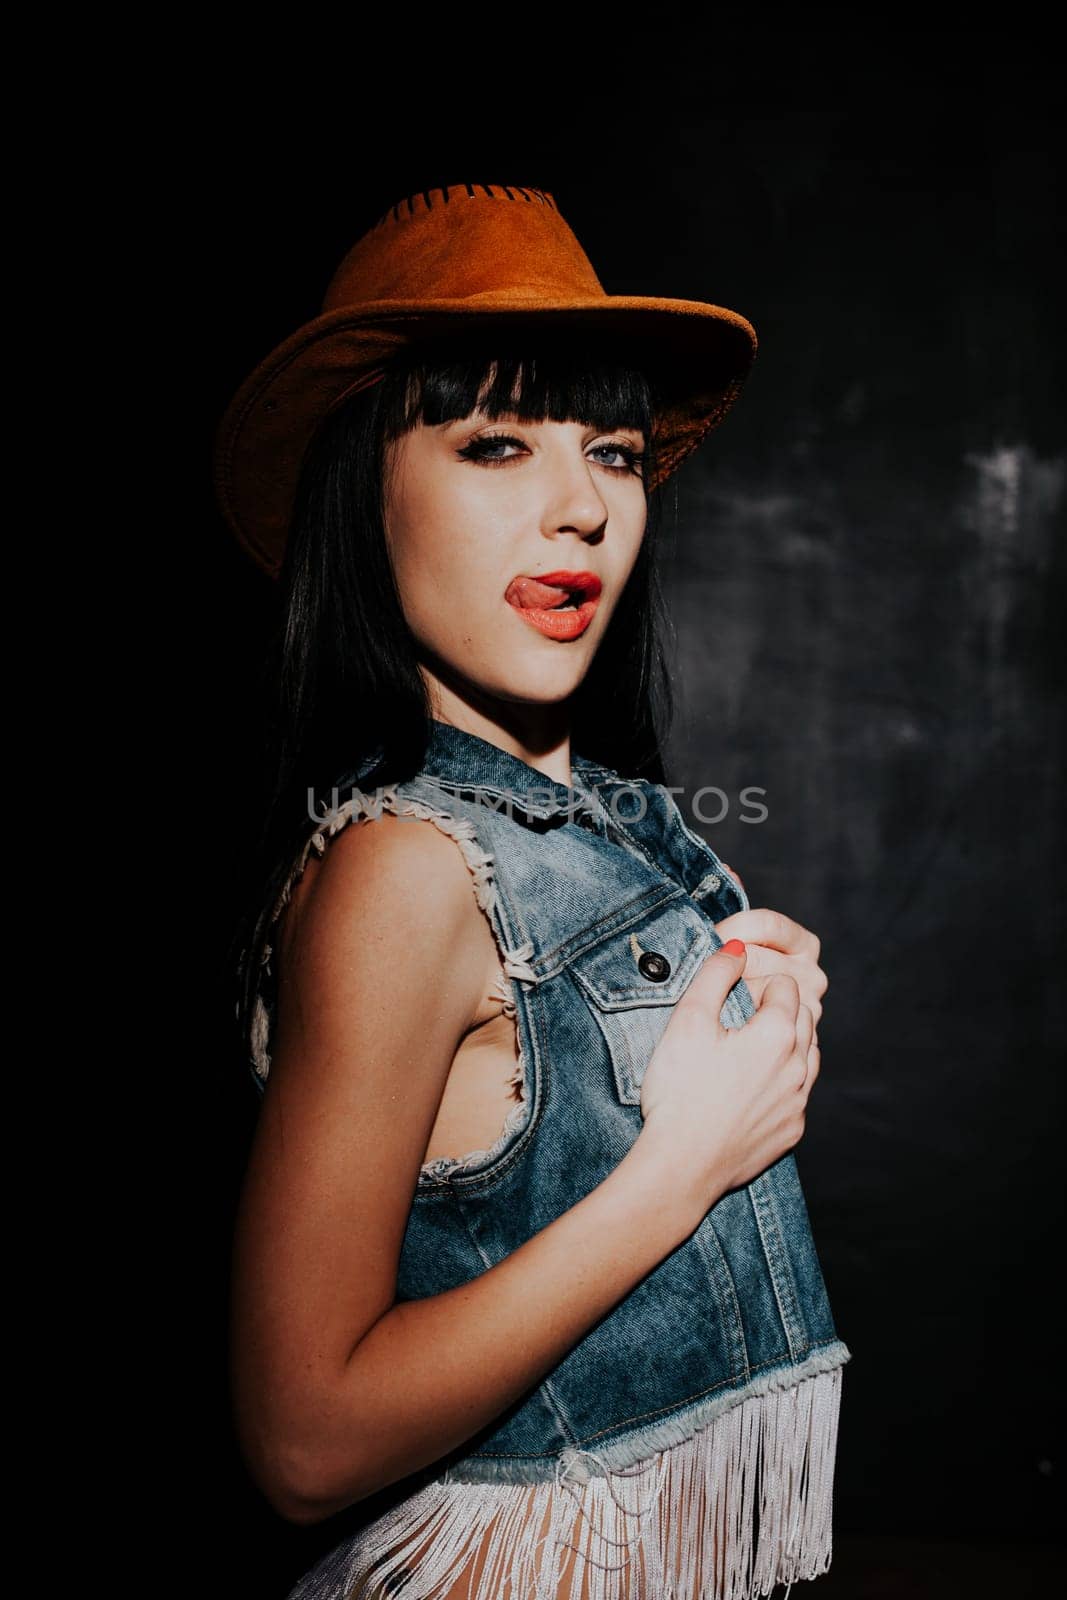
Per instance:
(734,947)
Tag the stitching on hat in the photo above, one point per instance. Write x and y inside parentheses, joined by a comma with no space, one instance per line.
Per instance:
(490,191)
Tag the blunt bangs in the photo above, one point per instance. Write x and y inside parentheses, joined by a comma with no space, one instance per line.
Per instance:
(547,379)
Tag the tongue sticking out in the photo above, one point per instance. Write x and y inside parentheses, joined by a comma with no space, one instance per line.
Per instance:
(527,593)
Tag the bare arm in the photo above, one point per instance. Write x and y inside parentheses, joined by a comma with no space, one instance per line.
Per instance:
(338,1390)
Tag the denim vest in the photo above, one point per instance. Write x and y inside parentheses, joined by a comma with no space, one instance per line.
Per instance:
(603,903)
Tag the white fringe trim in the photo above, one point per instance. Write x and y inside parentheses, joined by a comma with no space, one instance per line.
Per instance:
(742,1505)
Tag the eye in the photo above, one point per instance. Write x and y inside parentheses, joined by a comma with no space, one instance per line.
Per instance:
(631,458)
(485,450)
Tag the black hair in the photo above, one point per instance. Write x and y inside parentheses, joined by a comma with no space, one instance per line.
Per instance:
(341,676)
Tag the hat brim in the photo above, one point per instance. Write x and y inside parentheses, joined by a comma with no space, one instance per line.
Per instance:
(697,353)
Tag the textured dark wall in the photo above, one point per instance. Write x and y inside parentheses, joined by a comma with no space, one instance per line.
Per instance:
(867,586)
(865,568)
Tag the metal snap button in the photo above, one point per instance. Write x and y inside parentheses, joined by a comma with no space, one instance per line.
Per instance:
(654,966)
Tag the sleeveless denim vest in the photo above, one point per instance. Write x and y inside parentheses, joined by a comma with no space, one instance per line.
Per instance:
(714,1385)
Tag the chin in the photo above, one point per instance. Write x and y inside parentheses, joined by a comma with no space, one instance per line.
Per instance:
(553,679)
(545,675)
(533,691)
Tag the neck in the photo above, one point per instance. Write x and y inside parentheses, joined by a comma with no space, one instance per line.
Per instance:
(537,734)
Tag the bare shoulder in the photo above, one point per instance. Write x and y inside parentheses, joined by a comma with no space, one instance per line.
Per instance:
(389,883)
(385,921)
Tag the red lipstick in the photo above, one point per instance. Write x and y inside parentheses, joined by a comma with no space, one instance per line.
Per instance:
(560,605)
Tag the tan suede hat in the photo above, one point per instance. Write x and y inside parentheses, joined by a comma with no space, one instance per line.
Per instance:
(437,262)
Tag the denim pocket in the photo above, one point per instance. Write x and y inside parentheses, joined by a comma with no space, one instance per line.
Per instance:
(633,978)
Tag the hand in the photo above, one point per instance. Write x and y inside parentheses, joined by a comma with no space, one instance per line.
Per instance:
(777,944)
(721,1105)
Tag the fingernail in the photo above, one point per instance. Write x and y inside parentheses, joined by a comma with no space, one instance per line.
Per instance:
(734,947)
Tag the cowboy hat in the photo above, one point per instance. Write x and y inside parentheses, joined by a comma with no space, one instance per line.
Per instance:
(461,257)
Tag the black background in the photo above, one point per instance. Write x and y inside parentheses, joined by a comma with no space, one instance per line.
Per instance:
(866,575)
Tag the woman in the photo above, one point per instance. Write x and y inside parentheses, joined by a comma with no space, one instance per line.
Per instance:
(522,1264)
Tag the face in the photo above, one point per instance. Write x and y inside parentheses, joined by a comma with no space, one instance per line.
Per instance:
(492,528)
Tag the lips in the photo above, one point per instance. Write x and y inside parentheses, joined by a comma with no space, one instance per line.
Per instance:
(560,605)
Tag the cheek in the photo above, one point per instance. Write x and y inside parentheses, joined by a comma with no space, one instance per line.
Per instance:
(413,537)
(631,525)
(438,545)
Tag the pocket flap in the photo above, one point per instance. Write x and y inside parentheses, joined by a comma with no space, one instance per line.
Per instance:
(649,963)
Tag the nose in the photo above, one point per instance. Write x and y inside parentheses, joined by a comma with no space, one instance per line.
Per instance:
(573,502)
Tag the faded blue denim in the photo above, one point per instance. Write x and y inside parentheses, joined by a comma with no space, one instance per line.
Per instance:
(739,1308)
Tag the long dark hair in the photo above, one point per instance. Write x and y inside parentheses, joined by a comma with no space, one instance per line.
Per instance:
(341,675)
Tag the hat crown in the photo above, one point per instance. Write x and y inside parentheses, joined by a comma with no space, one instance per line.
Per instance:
(455,242)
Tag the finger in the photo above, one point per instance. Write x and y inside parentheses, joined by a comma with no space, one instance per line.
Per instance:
(762,925)
(805,1030)
(716,976)
(805,1035)
(781,993)
(757,981)
(814,1063)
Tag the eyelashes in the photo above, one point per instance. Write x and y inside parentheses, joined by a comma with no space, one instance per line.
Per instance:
(481,450)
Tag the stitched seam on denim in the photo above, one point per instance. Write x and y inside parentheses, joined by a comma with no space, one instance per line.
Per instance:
(623,1067)
(551,962)
(770,1253)
(644,1416)
(511,800)
(529,808)
(435,1173)
(718,1267)
(676,820)
(464,1183)
(620,835)
(781,1271)
(459,1182)
(516,1143)
(543,809)
(632,841)
(763,1366)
